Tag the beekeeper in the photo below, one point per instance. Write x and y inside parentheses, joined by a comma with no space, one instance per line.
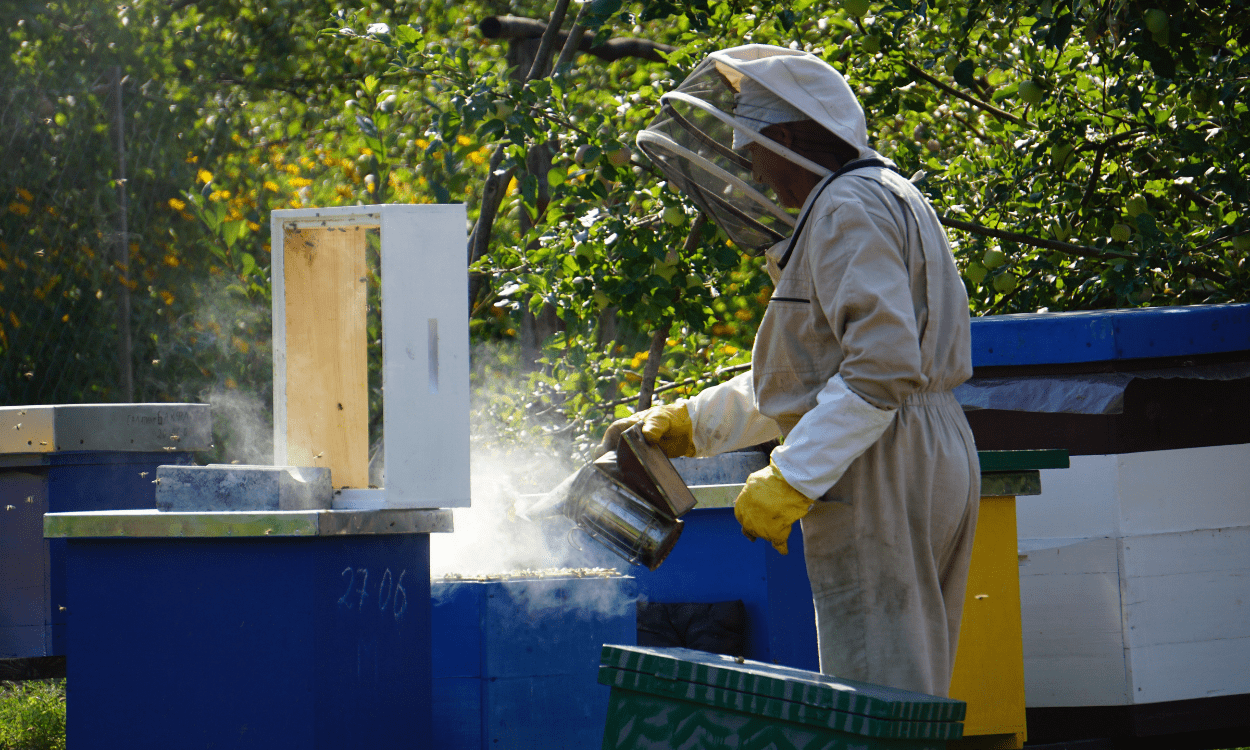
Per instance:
(864,337)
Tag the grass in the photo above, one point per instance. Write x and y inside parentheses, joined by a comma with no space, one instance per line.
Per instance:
(32,715)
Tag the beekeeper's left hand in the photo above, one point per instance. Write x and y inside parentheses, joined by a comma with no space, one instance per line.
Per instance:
(768,506)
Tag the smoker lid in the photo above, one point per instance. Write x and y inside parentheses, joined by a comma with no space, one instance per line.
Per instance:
(644,468)
(782,692)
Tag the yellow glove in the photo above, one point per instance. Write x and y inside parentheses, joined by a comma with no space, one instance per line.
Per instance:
(768,506)
(667,426)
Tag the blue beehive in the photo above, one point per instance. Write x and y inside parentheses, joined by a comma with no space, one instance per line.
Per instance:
(516,661)
(81,457)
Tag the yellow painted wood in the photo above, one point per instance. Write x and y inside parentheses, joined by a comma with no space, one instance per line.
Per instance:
(989,663)
(327,377)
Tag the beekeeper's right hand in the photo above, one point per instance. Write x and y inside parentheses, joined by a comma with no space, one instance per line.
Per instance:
(667,426)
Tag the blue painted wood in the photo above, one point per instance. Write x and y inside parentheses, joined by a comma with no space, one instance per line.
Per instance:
(249,643)
(1109,335)
(714,562)
(456,627)
(457,713)
(539,643)
(32,569)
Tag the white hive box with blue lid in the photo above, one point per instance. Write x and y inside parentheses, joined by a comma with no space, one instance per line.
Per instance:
(1135,561)
(321,389)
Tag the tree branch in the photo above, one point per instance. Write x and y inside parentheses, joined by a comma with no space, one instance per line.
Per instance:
(656,352)
(516,27)
(1001,114)
(1024,239)
(548,41)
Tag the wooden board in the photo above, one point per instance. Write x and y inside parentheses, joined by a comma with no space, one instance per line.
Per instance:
(1072,632)
(1187,613)
(989,664)
(327,405)
(1184,490)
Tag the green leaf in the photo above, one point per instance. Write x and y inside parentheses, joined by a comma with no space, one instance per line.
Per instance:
(231,231)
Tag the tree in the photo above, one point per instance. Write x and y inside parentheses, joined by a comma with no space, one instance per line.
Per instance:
(1082,156)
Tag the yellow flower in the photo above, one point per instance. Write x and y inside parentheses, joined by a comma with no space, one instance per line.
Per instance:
(366,151)
(271,186)
(477,157)
(172,261)
(217,195)
(187,216)
(192,159)
(25,195)
(176,204)
(300,182)
(65,318)
(730,350)
(512,186)
(422,143)
(239,344)
(231,384)
(343,191)
(464,140)
(205,176)
(253,226)
(21,209)
(167,298)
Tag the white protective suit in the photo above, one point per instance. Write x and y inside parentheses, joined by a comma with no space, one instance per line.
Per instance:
(864,338)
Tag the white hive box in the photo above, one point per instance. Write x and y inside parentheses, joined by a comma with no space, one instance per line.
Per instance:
(1135,579)
(321,400)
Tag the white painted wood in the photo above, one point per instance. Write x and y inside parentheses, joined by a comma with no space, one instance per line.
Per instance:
(359,499)
(1187,613)
(1079,501)
(1072,634)
(1183,490)
(426,356)
(425,346)
(277,282)
(1183,671)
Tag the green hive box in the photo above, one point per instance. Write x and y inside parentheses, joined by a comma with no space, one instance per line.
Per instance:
(680,698)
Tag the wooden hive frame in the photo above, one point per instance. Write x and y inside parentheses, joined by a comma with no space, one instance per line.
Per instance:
(320,365)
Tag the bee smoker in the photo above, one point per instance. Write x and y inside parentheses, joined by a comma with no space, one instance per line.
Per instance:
(629,500)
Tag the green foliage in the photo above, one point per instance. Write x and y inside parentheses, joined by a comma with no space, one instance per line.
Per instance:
(1112,132)
(32,715)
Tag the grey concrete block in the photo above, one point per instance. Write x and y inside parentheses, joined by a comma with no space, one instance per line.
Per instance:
(234,487)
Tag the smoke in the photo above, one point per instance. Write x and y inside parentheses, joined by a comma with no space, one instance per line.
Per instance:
(491,540)
(513,458)
(242,427)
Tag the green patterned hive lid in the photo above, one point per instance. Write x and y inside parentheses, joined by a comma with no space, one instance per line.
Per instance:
(782,693)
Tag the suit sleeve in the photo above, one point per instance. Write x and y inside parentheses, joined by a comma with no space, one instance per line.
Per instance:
(863,287)
(725,418)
